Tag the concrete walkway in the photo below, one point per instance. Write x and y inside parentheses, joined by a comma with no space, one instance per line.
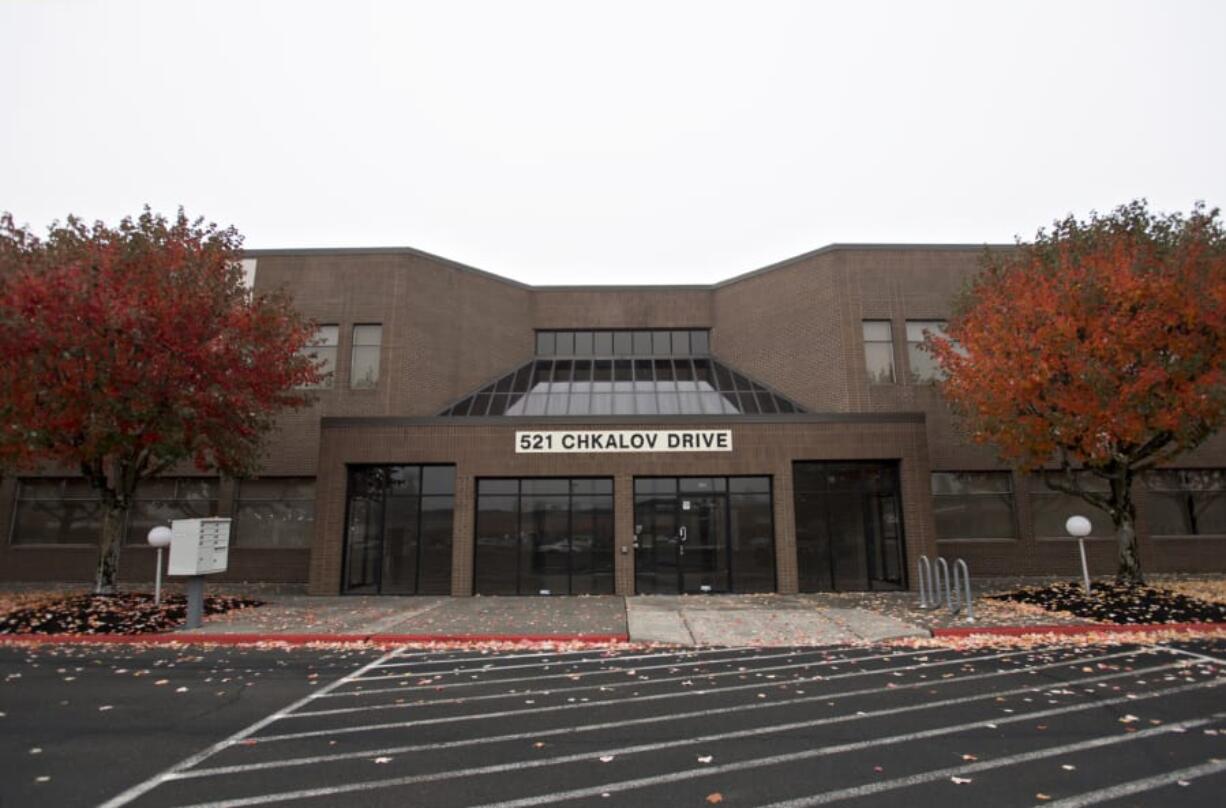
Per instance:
(680,620)
(729,620)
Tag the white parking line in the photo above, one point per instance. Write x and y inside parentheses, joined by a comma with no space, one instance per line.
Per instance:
(613,685)
(610,653)
(627,785)
(1202,657)
(601,659)
(537,678)
(1139,786)
(188,762)
(860,715)
(370,785)
(637,699)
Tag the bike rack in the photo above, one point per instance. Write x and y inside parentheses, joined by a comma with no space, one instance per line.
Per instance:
(957,586)
(963,600)
(923,571)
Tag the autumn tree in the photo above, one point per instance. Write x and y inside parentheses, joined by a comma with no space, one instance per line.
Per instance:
(1100,347)
(129,351)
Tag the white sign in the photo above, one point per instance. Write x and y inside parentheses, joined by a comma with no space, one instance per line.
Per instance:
(625,440)
(199,546)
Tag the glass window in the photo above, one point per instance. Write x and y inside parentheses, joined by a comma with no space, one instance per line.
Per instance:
(566,343)
(622,386)
(642,343)
(545,342)
(160,501)
(1050,509)
(52,510)
(699,343)
(879,351)
(661,343)
(623,343)
(602,343)
(275,512)
(544,536)
(583,343)
(681,343)
(924,367)
(973,505)
(323,348)
(399,532)
(1186,502)
(364,369)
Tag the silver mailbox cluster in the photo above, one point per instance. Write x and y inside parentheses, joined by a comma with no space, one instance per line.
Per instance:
(199,546)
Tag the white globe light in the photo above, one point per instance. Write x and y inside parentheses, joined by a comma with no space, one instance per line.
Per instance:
(1078,526)
(160,536)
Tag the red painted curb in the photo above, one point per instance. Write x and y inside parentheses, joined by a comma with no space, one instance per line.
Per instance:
(392,639)
(1107,628)
(299,639)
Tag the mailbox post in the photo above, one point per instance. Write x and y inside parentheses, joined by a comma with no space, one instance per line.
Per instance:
(198,547)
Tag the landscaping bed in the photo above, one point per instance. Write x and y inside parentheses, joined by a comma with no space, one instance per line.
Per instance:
(1123,604)
(123,613)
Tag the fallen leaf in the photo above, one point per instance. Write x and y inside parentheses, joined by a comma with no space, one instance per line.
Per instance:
(715,797)
(383,760)
(969,757)
(1128,719)
(1042,796)
(705,758)
(959,781)
(606,758)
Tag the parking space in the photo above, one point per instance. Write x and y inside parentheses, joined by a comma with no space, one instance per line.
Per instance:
(765,727)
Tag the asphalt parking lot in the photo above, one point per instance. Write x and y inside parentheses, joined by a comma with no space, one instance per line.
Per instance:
(1076,725)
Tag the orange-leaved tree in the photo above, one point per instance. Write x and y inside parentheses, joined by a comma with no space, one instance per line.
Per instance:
(127,351)
(1100,346)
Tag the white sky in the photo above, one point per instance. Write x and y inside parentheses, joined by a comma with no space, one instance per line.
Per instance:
(614,142)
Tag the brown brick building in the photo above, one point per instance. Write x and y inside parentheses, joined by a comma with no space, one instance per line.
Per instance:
(774,432)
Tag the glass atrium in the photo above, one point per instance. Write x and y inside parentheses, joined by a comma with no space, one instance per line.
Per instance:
(622,373)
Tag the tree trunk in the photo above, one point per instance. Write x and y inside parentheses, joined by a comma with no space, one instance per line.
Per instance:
(113,518)
(1129,571)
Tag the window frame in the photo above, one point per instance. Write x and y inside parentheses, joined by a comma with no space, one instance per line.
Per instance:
(313,350)
(1150,491)
(355,346)
(236,537)
(1038,488)
(874,378)
(1014,522)
(913,348)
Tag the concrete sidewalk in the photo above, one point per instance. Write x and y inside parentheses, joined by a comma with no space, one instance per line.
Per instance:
(680,620)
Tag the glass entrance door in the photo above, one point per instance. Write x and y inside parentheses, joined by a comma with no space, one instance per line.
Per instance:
(689,530)
(703,543)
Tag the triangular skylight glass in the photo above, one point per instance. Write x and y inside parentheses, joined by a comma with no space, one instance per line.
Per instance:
(675,385)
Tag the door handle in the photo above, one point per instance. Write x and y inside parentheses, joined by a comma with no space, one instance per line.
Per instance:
(681,533)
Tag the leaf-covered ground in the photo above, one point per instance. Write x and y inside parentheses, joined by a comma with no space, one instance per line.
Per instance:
(124,613)
(1119,603)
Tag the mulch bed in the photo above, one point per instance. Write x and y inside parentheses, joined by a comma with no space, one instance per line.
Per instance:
(1119,603)
(124,613)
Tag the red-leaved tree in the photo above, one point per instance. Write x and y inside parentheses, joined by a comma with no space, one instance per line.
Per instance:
(127,351)
(1100,346)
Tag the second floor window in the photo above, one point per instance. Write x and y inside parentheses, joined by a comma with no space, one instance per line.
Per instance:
(924,367)
(323,347)
(879,351)
(364,367)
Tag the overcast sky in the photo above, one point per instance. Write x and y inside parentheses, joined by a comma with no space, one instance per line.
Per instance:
(615,142)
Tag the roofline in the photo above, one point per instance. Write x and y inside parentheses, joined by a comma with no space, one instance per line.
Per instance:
(698,287)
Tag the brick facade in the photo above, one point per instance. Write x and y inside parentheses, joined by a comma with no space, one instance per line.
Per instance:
(448,329)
